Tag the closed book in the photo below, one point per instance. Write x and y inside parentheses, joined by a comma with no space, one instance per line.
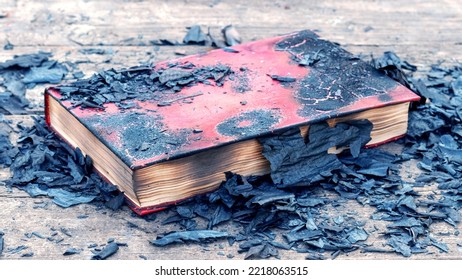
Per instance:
(165,133)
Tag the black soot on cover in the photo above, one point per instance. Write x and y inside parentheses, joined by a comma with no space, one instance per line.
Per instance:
(336,77)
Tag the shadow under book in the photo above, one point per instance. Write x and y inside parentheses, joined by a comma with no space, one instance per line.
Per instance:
(167,133)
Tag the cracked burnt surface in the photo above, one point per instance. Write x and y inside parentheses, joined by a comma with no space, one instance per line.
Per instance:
(336,77)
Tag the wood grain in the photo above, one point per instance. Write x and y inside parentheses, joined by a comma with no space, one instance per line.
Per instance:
(420,31)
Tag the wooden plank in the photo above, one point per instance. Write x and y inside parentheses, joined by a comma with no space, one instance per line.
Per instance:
(52,23)
(420,31)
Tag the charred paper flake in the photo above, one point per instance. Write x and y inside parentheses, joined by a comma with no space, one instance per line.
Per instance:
(193,236)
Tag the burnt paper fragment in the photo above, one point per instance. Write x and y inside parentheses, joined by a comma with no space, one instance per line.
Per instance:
(294,162)
(247,244)
(71,251)
(370,249)
(44,74)
(11,104)
(279,245)
(66,199)
(450,149)
(212,41)
(407,201)
(315,256)
(116,202)
(221,214)
(195,35)
(224,196)
(1,242)
(283,79)
(26,60)
(231,35)
(392,65)
(188,224)
(254,251)
(172,74)
(185,212)
(421,122)
(400,244)
(24,72)
(442,246)
(310,201)
(237,185)
(230,50)
(421,89)
(260,221)
(371,162)
(303,235)
(406,222)
(357,234)
(75,170)
(77,155)
(27,255)
(35,190)
(94,51)
(311,59)
(262,251)
(193,236)
(17,249)
(88,165)
(5,144)
(109,250)
(62,197)
(265,196)
(34,233)
(164,42)
(8,46)
(456,86)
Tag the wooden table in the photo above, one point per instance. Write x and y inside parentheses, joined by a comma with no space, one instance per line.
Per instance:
(420,31)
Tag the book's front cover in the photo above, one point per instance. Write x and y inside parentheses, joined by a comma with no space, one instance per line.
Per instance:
(183,106)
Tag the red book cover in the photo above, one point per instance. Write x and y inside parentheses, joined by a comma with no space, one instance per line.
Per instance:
(191,104)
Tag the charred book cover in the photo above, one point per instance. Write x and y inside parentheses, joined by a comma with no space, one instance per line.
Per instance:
(168,132)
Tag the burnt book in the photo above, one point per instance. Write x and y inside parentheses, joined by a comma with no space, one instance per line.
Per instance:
(165,133)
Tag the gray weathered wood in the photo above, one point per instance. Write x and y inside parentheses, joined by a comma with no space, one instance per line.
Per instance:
(420,31)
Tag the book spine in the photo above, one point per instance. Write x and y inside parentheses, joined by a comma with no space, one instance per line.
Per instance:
(47,108)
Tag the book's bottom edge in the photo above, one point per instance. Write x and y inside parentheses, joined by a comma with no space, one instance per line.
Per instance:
(148,209)
(385,141)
